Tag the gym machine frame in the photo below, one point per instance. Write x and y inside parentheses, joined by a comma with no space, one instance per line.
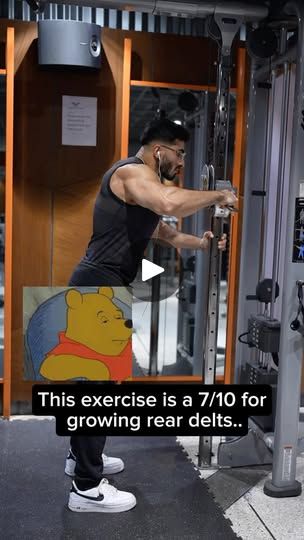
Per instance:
(283,482)
(216,178)
(285,444)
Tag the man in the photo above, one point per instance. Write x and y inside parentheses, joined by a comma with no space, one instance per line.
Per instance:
(127,214)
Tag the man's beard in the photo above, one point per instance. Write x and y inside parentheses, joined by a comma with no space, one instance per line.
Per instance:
(170,177)
(166,174)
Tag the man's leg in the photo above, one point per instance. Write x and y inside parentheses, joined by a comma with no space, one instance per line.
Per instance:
(88,452)
(90,492)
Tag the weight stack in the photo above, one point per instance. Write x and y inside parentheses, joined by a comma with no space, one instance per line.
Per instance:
(253,374)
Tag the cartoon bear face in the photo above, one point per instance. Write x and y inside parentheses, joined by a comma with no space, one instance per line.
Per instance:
(95,321)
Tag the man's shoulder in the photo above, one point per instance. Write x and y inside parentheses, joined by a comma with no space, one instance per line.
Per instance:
(131,170)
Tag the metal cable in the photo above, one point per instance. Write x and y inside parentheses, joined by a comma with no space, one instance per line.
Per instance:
(283,167)
(279,200)
(268,145)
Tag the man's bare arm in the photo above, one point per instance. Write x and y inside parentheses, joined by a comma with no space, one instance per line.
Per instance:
(142,186)
(178,239)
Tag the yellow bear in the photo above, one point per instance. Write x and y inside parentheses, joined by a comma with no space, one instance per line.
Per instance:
(97,342)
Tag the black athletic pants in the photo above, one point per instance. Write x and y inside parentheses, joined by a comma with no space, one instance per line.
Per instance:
(88,450)
(89,466)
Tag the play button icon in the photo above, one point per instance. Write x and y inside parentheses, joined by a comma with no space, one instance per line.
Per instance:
(160,272)
(150,270)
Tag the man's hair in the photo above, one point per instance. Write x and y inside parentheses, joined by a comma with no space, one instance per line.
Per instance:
(163,130)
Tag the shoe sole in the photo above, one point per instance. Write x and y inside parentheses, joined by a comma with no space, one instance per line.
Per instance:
(113,470)
(106,509)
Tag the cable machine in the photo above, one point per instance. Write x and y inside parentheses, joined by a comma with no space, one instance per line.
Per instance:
(214,176)
(274,342)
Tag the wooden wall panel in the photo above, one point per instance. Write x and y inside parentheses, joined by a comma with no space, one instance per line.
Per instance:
(48,162)
(31,214)
(25,33)
(113,44)
(54,185)
(31,267)
(72,221)
(175,59)
(181,65)
(9,157)
(83,167)
(2,52)
(126,91)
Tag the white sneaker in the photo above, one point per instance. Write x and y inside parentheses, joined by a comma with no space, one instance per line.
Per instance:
(111,465)
(103,498)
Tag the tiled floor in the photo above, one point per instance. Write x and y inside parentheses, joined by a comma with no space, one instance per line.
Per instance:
(255,516)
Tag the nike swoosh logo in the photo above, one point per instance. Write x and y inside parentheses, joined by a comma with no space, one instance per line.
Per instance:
(99,498)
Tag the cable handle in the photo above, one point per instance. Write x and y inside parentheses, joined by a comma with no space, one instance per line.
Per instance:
(225,211)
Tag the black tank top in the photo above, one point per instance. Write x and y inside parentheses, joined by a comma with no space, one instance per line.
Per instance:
(121,232)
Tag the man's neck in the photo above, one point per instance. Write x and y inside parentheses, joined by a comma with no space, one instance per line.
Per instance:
(147,159)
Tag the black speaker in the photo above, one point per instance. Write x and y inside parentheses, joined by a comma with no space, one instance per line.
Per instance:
(69,43)
(262,43)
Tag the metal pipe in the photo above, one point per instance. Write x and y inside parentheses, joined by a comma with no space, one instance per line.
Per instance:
(288,56)
(249,12)
(281,171)
(282,160)
(154,328)
(201,258)
(227,138)
(283,40)
(267,161)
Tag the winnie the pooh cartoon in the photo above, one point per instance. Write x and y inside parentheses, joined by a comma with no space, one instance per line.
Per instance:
(96,344)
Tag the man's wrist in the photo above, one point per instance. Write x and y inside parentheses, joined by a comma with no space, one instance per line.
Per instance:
(220,196)
(201,244)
